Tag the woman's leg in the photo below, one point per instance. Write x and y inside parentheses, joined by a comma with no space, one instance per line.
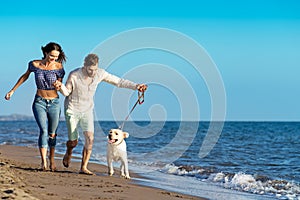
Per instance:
(39,111)
(53,114)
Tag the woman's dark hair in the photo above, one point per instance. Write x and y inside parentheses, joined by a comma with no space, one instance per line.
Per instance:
(54,46)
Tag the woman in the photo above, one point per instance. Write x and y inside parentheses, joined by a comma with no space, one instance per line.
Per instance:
(45,107)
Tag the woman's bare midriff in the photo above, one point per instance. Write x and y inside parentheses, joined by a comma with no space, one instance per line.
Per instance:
(47,94)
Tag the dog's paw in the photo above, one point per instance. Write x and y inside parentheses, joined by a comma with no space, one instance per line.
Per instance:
(125,176)
(110,173)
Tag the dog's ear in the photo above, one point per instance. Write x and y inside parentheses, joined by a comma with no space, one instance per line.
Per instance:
(126,135)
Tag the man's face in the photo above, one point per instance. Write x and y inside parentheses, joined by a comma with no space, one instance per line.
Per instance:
(91,70)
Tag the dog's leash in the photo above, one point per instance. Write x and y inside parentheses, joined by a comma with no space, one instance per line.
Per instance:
(140,101)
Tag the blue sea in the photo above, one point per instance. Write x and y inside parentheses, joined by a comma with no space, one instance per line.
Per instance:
(248,160)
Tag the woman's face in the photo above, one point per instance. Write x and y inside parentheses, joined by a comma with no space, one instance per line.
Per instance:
(52,56)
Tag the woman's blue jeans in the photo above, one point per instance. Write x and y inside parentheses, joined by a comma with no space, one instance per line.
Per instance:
(46,113)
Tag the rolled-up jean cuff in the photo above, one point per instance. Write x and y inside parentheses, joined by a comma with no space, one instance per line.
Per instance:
(52,141)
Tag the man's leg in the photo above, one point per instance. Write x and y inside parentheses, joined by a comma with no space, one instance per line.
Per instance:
(72,121)
(86,152)
(68,155)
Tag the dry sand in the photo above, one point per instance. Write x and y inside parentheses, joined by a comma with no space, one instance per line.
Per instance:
(20,178)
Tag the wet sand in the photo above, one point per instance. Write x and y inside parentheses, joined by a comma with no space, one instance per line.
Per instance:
(21,178)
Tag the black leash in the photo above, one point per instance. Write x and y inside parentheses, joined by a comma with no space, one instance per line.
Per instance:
(140,101)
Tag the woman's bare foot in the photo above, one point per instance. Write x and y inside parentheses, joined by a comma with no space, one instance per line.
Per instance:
(51,159)
(44,167)
(86,172)
(52,166)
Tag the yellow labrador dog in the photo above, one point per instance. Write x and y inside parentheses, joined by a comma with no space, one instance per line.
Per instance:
(117,151)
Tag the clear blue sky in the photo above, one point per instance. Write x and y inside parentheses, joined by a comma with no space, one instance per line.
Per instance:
(255,46)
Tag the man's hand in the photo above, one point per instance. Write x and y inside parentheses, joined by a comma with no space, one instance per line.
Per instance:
(142,87)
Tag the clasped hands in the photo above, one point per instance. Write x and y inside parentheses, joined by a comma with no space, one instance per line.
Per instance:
(57,84)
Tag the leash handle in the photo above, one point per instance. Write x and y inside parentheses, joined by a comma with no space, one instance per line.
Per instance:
(141,97)
(140,101)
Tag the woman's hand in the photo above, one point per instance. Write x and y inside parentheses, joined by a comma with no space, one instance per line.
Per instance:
(9,94)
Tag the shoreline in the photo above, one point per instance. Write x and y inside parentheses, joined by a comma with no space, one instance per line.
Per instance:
(21,178)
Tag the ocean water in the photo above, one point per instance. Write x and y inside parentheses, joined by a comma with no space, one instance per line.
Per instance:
(249,160)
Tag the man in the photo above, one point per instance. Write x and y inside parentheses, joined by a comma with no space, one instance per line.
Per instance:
(79,90)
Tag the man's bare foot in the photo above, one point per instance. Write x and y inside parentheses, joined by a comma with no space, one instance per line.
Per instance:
(66,160)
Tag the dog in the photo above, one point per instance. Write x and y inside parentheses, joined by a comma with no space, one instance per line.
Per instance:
(117,151)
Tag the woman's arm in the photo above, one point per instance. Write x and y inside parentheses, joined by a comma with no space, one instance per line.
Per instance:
(21,80)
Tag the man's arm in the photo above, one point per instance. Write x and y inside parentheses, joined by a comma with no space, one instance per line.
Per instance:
(119,82)
(64,89)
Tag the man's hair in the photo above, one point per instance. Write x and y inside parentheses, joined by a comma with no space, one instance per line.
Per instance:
(91,59)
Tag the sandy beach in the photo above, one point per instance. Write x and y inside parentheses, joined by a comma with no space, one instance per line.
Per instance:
(21,178)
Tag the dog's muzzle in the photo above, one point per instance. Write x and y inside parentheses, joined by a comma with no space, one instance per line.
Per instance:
(111,140)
